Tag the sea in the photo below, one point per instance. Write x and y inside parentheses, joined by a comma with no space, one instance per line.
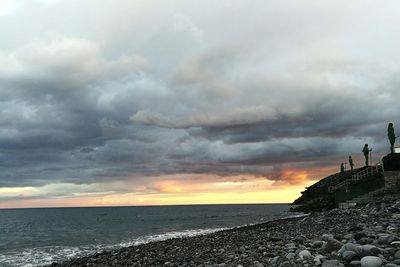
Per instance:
(36,237)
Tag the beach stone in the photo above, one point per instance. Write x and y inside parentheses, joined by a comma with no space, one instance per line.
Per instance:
(391,265)
(318,259)
(304,254)
(356,228)
(367,240)
(385,238)
(353,247)
(397,255)
(348,236)
(326,237)
(291,256)
(395,244)
(355,263)
(349,255)
(317,244)
(332,245)
(274,260)
(330,263)
(369,250)
(359,235)
(291,246)
(391,251)
(371,261)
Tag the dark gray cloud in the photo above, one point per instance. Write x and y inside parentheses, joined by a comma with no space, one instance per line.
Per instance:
(232,87)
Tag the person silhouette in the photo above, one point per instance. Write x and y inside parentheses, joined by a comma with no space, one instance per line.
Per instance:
(391,136)
(342,167)
(366,154)
(351,163)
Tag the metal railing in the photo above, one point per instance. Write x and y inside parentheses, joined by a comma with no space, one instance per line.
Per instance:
(372,170)
(361,175)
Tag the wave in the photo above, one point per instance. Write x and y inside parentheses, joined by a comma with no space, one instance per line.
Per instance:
(47,255)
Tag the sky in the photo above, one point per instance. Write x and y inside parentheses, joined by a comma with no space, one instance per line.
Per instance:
(153,102)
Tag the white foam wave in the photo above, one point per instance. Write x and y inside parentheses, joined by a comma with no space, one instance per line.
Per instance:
(47,255)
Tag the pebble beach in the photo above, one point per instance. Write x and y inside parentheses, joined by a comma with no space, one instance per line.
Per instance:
(365,236)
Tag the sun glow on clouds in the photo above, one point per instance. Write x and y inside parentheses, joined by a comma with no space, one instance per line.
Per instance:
(161,190)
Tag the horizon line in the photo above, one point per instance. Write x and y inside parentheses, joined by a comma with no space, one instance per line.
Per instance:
(157,205)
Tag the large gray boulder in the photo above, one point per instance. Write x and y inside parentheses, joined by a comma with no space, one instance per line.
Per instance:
(371,261)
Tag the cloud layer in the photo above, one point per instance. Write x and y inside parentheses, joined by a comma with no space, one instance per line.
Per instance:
(143,89)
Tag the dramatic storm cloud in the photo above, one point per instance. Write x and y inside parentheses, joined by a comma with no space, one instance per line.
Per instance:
(170,101)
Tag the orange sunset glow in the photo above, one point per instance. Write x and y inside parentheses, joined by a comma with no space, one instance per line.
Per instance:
(182,189)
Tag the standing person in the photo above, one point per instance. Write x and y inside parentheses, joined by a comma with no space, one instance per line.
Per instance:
(342,167)
(351,163)
(391,136)
(366,154)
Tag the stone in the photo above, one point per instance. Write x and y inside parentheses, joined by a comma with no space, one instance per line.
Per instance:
(317,244)
(385,238)
(349,255)
(356,228)
(359,235)
(369,250)
(350,247)
(332,245)
(291,256)
(326,237)
(397,254)
(304,254)
(291,246)
(274,260)
(348,236)
(330,263)
(371,261)
(318,259)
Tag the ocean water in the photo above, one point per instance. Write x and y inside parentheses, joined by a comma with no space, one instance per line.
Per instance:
(34,237)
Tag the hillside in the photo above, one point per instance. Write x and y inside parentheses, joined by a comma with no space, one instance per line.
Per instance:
(318,196)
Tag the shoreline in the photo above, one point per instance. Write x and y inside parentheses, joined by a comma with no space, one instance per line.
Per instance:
(202,233)
(151,238)
(332,238)
(206,221)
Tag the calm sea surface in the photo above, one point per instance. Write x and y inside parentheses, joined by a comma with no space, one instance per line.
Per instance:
(31,237)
